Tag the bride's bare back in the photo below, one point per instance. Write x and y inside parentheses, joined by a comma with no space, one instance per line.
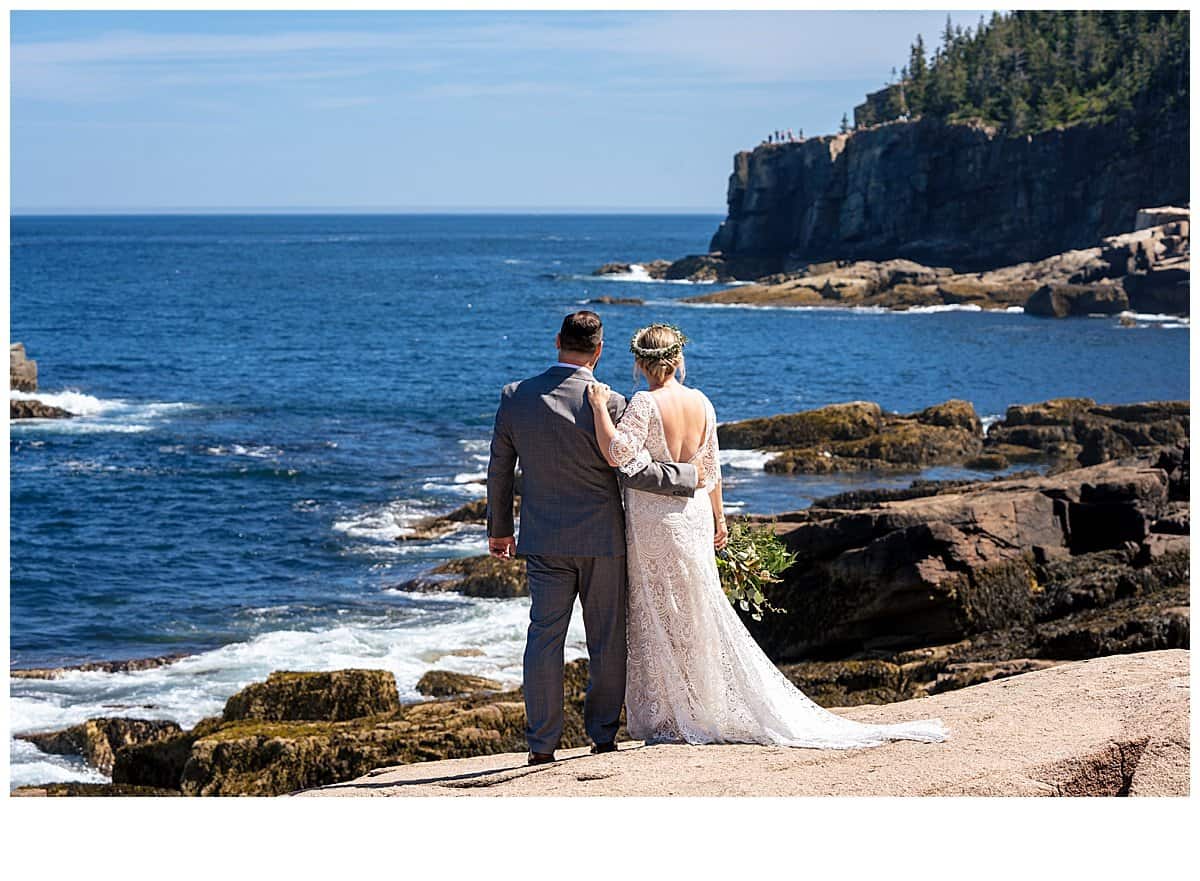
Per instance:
(683,420)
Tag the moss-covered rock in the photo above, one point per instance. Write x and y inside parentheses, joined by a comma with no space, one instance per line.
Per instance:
(1056,411)
(952,414)
(836,422)
(1087,433)
(256,756)
(98,739)
(445,683)
(851,682)
(481,576)
(327,696)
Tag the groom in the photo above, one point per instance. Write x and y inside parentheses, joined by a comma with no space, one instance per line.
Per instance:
(572,532)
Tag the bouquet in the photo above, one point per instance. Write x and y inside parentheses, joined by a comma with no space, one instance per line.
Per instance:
(752,559)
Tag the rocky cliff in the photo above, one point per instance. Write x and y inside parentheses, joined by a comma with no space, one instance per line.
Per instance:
(965,196)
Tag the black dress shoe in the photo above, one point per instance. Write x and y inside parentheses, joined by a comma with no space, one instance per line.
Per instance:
(540,758)
(610,747)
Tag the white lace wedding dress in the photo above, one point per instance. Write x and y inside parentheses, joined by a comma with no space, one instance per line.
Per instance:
(695,674)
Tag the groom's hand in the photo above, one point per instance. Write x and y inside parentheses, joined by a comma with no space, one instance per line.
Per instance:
(502,548)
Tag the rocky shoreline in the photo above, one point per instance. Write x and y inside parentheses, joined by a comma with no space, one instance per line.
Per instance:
(896,595)
(1146,270)
(23,377)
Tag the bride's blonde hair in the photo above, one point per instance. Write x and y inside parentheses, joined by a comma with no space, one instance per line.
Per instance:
(658,352)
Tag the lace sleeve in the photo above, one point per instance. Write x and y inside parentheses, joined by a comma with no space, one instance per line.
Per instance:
(709,466)
(630,438)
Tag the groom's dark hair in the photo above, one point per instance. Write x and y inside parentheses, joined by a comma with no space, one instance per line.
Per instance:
(581,332)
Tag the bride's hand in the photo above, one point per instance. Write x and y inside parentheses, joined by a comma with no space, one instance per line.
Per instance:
(721,536)
(598,394)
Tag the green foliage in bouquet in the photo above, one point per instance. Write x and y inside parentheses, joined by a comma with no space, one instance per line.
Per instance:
(751,560)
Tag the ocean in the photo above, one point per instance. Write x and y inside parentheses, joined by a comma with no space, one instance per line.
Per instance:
(265,402)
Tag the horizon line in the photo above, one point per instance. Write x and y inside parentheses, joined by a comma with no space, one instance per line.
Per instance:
(151,210)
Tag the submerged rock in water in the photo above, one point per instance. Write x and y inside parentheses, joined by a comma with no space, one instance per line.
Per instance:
(123,666)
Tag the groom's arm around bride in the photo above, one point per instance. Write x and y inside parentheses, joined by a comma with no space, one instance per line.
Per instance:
(572,533)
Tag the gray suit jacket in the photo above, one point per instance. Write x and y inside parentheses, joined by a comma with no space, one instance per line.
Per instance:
(570,495)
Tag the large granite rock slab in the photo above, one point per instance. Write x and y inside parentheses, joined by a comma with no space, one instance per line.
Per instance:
(1114,726)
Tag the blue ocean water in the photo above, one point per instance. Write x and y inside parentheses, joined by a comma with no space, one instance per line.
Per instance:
(267,401)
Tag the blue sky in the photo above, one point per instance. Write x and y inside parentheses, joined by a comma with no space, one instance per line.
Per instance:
(409,110)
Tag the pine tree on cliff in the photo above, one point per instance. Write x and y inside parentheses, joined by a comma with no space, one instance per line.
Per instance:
(1033,70)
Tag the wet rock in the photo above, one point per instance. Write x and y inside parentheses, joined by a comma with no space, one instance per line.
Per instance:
(1128,626)
(951,414)
(654,269)
(123,666)
(1090,433)
(332,697)
(444,524)
(23,409)
(97,740)
(717,267)
(617,301)
(849,421)
(859,436)
(444,683)
(1060,300)
(482,576)
(852,682)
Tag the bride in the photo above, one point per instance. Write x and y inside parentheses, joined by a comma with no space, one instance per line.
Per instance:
(695,674)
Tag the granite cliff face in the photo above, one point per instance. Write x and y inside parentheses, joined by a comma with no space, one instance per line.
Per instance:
(950,195)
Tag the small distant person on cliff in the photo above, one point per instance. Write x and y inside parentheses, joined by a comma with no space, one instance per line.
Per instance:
(572,531)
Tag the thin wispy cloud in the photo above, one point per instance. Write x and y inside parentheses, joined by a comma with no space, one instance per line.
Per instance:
(747,48)
(422,108)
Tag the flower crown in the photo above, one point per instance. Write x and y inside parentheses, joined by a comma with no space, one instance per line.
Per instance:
(665,353)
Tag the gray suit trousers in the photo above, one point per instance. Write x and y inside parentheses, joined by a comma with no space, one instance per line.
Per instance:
(554,581)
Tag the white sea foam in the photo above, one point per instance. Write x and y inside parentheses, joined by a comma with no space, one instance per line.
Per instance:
(381,523)
(749,460)
(469,489)
(258,451)
(92,414)
(990,420)
(639,274)
(858,310)
(198,686)
(942,307)
(1160,319)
